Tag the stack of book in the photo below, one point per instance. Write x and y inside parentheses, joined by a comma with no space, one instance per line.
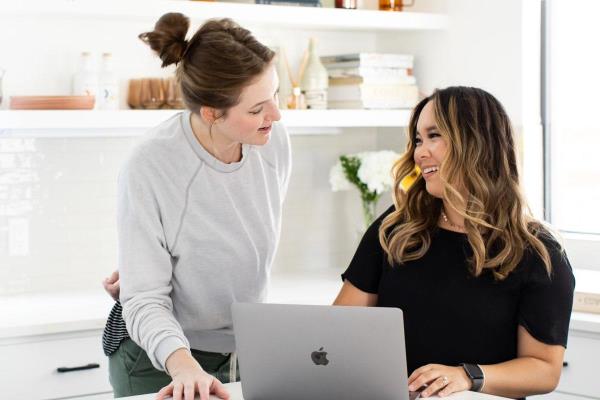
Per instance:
(371,80)
(587,291)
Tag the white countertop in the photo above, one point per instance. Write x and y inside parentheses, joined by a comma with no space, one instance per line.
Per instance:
(235,392)
(42,314)
(49,313)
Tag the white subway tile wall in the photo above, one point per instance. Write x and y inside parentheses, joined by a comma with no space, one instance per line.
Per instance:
(58,218)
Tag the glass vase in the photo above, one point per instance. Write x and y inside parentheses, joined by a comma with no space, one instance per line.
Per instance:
(369,212)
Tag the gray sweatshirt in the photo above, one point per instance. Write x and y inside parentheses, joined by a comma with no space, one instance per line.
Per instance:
(195,235)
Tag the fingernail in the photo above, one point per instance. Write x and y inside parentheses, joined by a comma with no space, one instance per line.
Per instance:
(411,388)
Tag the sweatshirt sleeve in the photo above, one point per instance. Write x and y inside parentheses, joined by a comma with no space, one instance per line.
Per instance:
(145,264)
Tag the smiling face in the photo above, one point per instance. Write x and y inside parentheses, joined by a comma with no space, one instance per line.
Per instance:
(251,119)
(430,150)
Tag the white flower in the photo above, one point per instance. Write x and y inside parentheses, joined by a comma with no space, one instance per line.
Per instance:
(376,169)
(337,178)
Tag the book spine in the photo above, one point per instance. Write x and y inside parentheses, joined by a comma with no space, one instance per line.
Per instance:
(374,96)
(369,58)
(373,80)
(371,64)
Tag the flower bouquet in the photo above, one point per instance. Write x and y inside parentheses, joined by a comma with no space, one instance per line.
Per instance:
(370,172)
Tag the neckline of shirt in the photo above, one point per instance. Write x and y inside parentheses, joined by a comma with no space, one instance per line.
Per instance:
(451,232)
(203,154)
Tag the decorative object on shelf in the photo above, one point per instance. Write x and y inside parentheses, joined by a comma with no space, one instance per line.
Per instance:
(394,5)
(371,80)
(314,81)
(173,97)
(85,81)
(296,101)
(370,172)
(587,291)
(285,81)
(108,85)
(133,93)
(296,3)
(52,102)
(154,93)
(349,4)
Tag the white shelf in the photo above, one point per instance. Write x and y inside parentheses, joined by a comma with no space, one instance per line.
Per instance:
(68,123)
(283,16)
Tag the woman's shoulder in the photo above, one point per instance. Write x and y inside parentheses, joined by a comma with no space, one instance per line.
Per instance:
(549,238)
(559,262)
(163,150)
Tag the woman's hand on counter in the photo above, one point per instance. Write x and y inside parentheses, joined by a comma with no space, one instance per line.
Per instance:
(112,285)
(440,379)
(189,378)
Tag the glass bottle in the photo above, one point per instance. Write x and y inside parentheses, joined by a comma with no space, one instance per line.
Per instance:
(108,94)
(345,4)
(315,80)
(394,5)
(85,81)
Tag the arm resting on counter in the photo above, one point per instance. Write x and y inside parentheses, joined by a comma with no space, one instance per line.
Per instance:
(536,369)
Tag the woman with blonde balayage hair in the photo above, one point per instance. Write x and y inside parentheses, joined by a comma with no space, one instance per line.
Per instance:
(485,288)
(199,215)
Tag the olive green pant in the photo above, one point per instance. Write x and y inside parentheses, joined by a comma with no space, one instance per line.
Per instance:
(131,373)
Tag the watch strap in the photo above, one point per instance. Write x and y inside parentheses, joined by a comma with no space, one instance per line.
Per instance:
(475,374)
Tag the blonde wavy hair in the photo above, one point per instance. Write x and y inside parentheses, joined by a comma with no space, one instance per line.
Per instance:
(480,161)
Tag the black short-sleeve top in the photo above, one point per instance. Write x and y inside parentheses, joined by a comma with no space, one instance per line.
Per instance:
(450,316)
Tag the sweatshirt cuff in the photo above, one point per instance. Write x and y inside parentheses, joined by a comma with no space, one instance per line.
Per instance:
(165,348)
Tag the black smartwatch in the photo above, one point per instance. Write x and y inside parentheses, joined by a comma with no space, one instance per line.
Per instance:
(475,374)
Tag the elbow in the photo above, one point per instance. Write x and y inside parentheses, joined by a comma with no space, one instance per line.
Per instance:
(551,386)
(552,379)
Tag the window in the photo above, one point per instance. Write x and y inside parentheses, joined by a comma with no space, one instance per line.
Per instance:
(571,106)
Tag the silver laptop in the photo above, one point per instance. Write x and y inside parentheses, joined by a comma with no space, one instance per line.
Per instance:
(311,352)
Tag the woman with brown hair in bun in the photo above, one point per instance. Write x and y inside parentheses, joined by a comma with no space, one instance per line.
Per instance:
(199,215)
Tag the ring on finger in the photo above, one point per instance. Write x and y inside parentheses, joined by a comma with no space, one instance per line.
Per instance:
(444,380)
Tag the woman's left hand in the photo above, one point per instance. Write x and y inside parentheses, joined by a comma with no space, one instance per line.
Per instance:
(440,379)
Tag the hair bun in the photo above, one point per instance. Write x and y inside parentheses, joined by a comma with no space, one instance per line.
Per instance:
(168,37)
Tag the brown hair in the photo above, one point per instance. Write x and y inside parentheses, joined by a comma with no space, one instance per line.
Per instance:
(481,159)
(214,65)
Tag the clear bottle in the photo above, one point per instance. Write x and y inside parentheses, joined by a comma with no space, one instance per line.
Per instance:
(108,93)
(85,81)
(315,80)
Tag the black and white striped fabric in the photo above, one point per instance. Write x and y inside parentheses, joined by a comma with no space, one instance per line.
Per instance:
(114,331)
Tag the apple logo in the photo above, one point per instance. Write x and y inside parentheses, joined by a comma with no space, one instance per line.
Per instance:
(319,357)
